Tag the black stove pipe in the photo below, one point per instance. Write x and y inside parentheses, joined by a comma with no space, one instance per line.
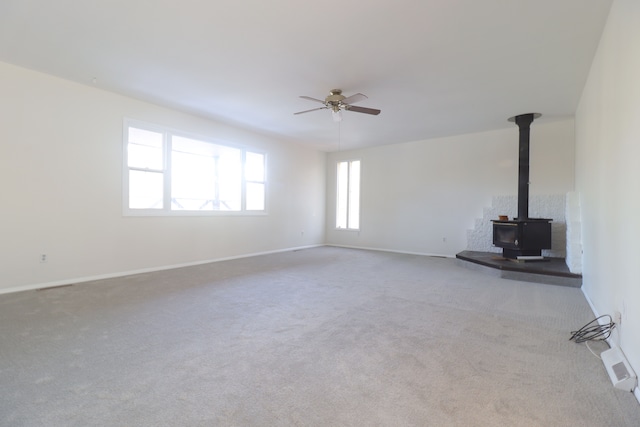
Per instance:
(524,123)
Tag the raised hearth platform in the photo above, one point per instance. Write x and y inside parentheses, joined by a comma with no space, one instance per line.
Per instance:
(551,271)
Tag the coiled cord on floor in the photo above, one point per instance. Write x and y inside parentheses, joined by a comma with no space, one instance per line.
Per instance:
(593,331)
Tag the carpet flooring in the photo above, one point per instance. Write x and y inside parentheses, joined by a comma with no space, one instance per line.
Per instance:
(318,337)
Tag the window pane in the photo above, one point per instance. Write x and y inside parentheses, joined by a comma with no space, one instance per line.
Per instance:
(254,167)
(144,149)
(354,195)
(341,202)
(193,146)
(193,182)
(205,176)
(145,190)
(255,196)
(230,177)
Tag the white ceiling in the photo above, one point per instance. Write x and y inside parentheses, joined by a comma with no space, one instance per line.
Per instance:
(434,67)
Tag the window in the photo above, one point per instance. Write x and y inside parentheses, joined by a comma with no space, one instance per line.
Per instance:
(348,200)
(170,173)
(146,169)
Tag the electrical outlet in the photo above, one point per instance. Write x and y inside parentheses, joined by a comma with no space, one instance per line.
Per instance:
(617,318)
(43,258)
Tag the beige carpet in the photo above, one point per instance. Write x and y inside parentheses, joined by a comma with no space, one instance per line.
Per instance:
(319,337)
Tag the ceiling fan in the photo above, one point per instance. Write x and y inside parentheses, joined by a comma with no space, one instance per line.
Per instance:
(336,102)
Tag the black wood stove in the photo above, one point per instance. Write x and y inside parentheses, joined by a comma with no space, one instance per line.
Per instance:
(523,237)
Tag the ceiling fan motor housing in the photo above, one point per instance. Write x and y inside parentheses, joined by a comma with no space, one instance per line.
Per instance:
(334,100)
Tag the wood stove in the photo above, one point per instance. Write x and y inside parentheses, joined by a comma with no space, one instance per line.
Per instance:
(523,237)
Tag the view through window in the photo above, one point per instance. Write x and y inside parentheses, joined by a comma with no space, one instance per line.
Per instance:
(168,172)
(348,200)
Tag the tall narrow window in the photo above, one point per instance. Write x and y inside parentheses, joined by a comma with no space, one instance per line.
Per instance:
(348,199)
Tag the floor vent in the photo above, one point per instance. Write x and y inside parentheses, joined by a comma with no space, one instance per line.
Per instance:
(619,370)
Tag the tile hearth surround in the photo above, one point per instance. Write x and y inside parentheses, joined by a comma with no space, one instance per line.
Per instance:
(552,206)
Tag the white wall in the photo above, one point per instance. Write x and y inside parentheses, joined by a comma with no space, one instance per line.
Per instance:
(422,197)
(61,189)
(608,175)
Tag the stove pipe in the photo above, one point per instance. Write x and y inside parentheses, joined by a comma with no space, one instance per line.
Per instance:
(524,122)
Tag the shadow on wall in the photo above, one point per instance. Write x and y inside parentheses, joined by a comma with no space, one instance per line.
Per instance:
(553,206)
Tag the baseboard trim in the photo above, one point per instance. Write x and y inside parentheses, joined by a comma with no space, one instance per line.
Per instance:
(391,250)
(79,280)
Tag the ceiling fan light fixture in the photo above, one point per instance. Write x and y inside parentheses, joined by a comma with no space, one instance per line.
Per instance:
(336,102)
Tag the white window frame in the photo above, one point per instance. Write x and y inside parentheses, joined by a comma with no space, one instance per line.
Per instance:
(246,181)
(348,195)
(166,171)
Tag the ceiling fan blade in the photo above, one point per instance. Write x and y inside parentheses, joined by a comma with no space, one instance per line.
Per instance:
(308,111)
(363,110)
(312,99)
(354,98)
